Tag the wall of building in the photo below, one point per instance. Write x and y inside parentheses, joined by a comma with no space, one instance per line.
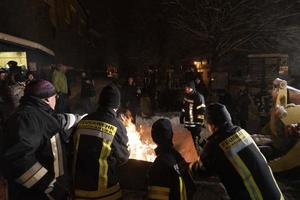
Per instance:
(60,25)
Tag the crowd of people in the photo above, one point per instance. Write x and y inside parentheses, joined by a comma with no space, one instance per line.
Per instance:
(48,153)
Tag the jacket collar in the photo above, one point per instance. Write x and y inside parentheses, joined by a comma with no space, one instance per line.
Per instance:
(36,102)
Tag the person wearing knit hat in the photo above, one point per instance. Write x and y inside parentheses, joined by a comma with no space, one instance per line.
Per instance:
(231,154)
(189,84)
(162,133)
(33,151)
(110,97)
(41,89)
(192,114)
(100,136)
(218,115)
(168,176)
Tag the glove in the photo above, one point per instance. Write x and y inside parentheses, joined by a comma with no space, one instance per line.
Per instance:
(56,191)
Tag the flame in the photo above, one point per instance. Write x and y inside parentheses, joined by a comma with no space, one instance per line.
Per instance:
(140,147)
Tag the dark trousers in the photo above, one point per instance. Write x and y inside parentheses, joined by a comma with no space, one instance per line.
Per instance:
(198,141)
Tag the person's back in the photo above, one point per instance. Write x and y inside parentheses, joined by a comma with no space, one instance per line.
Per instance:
(241,166)
(100,147)
(168,176)
(231,153)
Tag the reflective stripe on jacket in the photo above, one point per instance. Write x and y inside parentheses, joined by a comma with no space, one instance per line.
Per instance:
(193,110)
(232,154)
(169,177)
(100,147)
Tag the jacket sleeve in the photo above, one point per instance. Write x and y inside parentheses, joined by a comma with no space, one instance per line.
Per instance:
(20,163)
(120,145)
(67,123)
(205,167)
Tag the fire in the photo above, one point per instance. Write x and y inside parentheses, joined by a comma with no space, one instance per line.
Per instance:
(140,147)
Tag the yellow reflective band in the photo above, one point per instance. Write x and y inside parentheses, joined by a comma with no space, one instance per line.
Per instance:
(231,146)
(182,190)
(248,179)
(32,176)
(201,106)
(29,173)
(191,112)
(98,125)
(113,192)
(103,165)
(234,139)
(159,193)
(109,131)
(95,133)
(57,155)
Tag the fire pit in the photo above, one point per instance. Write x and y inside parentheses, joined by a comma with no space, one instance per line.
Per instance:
(133,175)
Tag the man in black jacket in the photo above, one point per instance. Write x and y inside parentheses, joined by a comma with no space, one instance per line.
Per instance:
(192,114)
(231,154)
(33,157)
(100,147)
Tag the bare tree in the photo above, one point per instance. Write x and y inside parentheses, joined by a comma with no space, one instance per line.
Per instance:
(224,26)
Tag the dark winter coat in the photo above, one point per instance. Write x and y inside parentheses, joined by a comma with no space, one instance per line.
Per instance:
(130,98)
(87,88)
(33,158)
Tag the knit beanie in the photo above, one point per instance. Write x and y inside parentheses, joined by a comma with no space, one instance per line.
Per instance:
(40,89)
(217,114)
(110,97)
(162,132)
(190,84)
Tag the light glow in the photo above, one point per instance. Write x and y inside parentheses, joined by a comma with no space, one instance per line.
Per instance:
(140,148)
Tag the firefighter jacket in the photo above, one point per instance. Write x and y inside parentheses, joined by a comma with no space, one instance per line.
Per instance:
(168,177)
(100,148)
(33,156)
(232,154)
(193,110)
